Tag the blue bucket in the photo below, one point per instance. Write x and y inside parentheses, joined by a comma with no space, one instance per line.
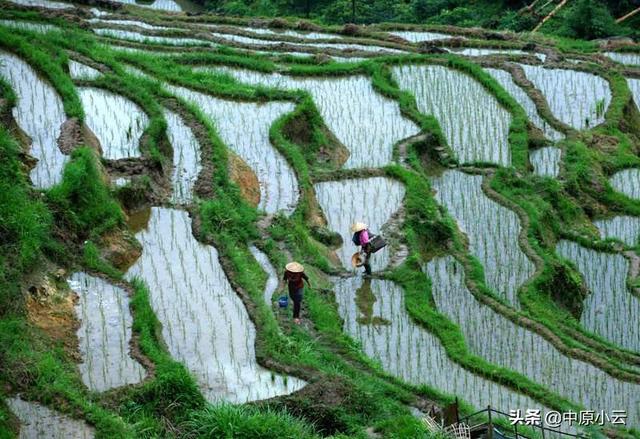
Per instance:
(283,301)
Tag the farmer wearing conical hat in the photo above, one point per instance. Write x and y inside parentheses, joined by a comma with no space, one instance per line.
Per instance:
(361,237)
(294,275)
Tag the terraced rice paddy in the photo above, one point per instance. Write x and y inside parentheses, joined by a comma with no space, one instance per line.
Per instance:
(186,158)
(631,59)
(634,85)
(244,127)
(140,38)
(578,99)
(104,334)
(417,37)
(28,25)
(367,123)
(348,201)
(625,228)
(546,161)
(163,5)
(117,122)
(204,322)
(498,340)
(506,267)
(37,421)
(40,114)
(290,33)
(476,127)
(81,71)
(506,81)
(611,310)
(627,181)
(272,277)
(43,4)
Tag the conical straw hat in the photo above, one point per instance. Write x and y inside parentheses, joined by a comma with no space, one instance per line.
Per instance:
(358,227)
(294,267)
(356,260)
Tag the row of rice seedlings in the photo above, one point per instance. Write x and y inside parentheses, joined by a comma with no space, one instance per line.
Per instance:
(610,311)
(370,200)
(366,123)
(104,334)
(498,340)
(40,113)
(37,421)
(506,81)
(43,4)
(244,128)
(140,24)
(417,37)
(138,37)
(578,99)
(117,122)
(29,25)
(272,276)
(290,33)
(631,59)
(161,5)
(546,161)
(625,228)
(82,71)
(627,181)
(634,86)
(186,158)
(477,51)
(492,231)
(155,53)
(204,322)
(410,352)
(473,122)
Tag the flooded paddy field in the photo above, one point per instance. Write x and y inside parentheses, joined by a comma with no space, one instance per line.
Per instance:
(37,421)
(476,127)
(625,228)
(186,158)
(82,71)
(39,113)
(630,59)
(140,38)
(365,122)
(546,161)
(272,276)
(29,25)
(634,85)
(416,37)
(627,182)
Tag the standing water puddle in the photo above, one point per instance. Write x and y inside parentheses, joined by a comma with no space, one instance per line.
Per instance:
(37,421)
(82,71)
(473,122)
(492,231)
(366,123)
(506,81)
(500,341)
(186,158)
(627,181)
(104,334)
(576,98)
(204,322)
(370,200)
(272,276)
(244,128)
(117,122)
(546,161)
(40,113)
(610,310)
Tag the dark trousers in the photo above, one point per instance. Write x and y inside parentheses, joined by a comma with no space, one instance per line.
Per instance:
(296,296)
(367,256)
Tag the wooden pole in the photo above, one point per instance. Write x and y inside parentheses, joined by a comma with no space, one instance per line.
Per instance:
(629,15)
(551,14)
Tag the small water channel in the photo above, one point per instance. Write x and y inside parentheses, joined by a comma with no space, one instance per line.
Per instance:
(492,231)
(117,122)
(104,334)
(204,322)
(244,128)
(610,310)
(140,38)
(366,123)
(578,99)
(40,114)
(627,182)
(37,421)
(546,161)
(272,276)
(370,200)
(506,81)
(473,122)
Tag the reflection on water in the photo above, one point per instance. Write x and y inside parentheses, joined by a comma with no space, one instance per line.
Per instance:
(38,422)
(104,334)
(370,200)
(634,86)
(204,322)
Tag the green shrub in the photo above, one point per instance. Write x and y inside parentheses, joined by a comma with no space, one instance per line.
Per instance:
(590,19)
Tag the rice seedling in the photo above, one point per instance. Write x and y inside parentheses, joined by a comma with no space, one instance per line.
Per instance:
(40,113)
(28,25)
(634,86)
(186,158)
(372,200)
(546,161)
(475,125)
(37,421)
(611,310)
(627,182)
(43,4)
(104,334)
(244,127)
(506,81)
(499,341)
(630,59)
(625,228)
(572,96)
(417,37)
(492,231)
(82,71)
(272,276)
(366,123)
(117,122)
(204,322)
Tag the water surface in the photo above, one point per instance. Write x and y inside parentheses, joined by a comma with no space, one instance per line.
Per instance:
(627,181)
(186,158)
(82,71)
(546,161)
(37,421)
(631,59)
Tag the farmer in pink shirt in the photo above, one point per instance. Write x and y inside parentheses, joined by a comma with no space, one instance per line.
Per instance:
(363,238)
